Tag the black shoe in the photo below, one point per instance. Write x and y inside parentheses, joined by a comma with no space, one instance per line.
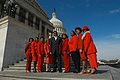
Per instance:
(34,71)
(60,71)
(75,72)
(49,71)
(53,71)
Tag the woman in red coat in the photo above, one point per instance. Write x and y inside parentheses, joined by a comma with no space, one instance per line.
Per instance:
(48,56)
(34,47)
(40,54)
(73,51)
(65,53)
(90,49)
(28,55)
(83,57)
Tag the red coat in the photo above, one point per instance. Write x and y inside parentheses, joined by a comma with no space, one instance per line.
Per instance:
(65,46)
(28,51)
(47,48)
(66,57)
(47,52)
(73,44)
(34,50)
(28,48)
(40,48)
(80,45)
(40,56)
(89,46)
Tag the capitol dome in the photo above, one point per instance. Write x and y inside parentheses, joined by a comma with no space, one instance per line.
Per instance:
(56,22)
(58,25)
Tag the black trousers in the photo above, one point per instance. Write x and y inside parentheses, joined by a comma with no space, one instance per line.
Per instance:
(57,61)
(76,60)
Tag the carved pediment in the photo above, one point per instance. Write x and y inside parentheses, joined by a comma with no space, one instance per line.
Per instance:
(37,6)
(32,0)
(34,3)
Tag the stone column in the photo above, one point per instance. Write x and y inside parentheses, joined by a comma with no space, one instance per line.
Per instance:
(40,27)
(45,31)
(0,9)
(34,20)
(26,18)
(17,13)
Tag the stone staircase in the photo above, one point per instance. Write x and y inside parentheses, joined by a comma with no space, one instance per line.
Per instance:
(21,66)
(18,72)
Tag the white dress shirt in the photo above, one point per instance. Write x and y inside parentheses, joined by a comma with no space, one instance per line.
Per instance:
(55,38)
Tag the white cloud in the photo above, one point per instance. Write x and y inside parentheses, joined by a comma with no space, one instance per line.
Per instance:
(115,11)
(109,47)
(113,36)
(117,36)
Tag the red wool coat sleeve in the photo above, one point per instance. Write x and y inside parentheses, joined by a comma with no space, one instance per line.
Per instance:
(73,44)
(34,51)
(45,48)
(89,46)
(80,44)
(87,40)
(33,47)
(75,40)
(27,47)
(40,48)
(65,46)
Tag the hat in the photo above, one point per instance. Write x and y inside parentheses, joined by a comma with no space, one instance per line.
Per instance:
(85,28)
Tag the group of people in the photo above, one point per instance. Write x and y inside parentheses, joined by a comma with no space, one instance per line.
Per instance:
(80,47)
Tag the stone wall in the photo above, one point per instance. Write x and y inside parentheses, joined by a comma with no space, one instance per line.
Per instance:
(14,34)
(3,34)
(13,39)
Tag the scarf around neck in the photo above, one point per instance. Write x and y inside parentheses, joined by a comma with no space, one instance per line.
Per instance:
(85,34)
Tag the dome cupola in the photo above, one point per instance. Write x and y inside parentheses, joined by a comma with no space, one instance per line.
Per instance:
(58,24)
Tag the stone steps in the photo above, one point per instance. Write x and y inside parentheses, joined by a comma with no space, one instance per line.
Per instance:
(18,71)
(21,66)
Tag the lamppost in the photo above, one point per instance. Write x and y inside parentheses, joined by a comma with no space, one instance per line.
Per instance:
(9,8)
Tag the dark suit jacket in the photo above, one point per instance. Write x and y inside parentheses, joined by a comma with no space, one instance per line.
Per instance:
(55,45)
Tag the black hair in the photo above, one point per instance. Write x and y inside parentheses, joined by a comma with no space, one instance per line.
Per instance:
(47,40)
(65,35)
(37,37)
(31,39)
(73,32)
(78,28)
(55,31)
(41,37)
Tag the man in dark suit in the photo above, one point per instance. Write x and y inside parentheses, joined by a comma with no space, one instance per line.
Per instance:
(55,43)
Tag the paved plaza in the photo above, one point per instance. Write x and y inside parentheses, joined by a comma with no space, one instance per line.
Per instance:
(17,72)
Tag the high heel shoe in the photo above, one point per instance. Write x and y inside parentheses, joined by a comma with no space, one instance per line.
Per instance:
(34,71)
(88,71)
(27,71)
(82,72)
(93,71)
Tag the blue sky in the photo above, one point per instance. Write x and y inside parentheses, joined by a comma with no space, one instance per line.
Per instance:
(102,16)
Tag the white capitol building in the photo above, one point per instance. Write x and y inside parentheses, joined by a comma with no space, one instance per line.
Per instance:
(58,25)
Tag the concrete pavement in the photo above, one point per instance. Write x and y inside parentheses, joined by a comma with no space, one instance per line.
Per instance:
(17,72)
